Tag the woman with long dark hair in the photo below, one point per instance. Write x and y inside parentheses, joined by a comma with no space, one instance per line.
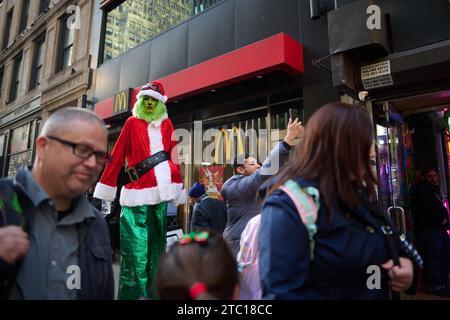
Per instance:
(350,255)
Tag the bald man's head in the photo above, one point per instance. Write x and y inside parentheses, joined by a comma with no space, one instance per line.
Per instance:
(70,153)
(64,119)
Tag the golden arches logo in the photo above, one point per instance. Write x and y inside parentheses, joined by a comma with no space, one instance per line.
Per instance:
(120,102)
(228,143)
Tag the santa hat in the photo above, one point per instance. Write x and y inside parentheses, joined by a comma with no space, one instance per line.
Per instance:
(153,89)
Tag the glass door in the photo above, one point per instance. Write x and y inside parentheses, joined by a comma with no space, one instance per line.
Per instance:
(389,141)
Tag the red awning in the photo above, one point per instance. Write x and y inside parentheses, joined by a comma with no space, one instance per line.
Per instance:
(278,52)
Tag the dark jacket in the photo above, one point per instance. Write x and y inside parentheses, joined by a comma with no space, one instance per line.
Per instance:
(209,213)
(344,249)
(428,211)
(239,193)
(95,255)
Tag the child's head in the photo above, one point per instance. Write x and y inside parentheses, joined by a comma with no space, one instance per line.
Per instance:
(199,266)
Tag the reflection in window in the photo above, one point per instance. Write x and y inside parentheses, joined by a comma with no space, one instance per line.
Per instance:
(223,141)
(135,21)
(24,16)
(38,60)
(390,168)
(66,43)
(16,77)
(1,79)
(43,5)
(7,28)
(20,148)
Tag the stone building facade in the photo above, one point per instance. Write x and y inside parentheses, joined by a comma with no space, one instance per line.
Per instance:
(44,65)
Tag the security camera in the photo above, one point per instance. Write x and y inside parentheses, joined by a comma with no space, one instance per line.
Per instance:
(363,96)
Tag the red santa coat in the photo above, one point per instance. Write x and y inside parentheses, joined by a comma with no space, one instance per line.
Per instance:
(137,141)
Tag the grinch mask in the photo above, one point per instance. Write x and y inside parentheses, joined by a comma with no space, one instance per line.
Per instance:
(149,109)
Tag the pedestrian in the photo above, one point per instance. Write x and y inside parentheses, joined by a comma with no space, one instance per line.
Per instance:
(332,256)
(208,212)
(239,191)
(195,192)
(148,143)
(199,266)
(431,223)
(69,255)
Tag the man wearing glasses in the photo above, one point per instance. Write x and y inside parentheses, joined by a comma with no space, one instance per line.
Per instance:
(63,249)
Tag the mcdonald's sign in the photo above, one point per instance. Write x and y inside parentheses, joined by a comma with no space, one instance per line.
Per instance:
(228,143)
(122,101)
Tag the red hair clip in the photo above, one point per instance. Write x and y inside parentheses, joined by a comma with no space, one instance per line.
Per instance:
(198,237)
(197,289)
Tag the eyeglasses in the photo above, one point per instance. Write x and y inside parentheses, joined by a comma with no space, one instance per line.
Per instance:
(83,151)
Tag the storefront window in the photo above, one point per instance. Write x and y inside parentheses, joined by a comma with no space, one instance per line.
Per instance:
(390,165)
(135,21)
(232,135)
(279,119)
(20,147)
(222,141)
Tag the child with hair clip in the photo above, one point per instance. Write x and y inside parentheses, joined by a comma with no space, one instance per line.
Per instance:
(200,266)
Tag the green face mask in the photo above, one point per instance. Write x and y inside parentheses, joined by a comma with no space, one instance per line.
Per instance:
(149,109)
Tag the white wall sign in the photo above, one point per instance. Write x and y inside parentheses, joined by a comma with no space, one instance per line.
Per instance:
(376,75)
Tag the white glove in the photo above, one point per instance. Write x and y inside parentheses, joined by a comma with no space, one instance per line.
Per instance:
(106,207)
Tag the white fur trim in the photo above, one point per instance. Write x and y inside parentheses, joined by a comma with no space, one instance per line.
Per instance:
(162,170)
(182,198)
(157,123)
(152,93)
(150,196)
(105,192)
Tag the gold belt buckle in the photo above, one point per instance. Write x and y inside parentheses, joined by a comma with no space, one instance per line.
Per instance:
(133,174)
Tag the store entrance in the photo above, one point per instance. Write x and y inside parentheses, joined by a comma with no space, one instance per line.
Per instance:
(413,165)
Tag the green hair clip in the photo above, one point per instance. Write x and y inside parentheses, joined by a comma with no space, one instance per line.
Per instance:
(198,237)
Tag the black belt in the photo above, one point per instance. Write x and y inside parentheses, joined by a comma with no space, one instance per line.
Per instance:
(134,173)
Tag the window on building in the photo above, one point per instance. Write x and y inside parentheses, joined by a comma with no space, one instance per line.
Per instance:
(2,152)
(1,79)
(135,21)
(66,44)
(43,4)
(24,15)
(38,61)
(15,79)
(7,28)
(20,147)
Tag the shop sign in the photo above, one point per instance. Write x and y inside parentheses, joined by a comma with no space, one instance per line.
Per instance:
(20,112)
(122,101)
(376,75)
(228,143)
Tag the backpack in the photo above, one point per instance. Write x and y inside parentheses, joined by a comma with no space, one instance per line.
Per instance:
(11,213)
(306,200)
